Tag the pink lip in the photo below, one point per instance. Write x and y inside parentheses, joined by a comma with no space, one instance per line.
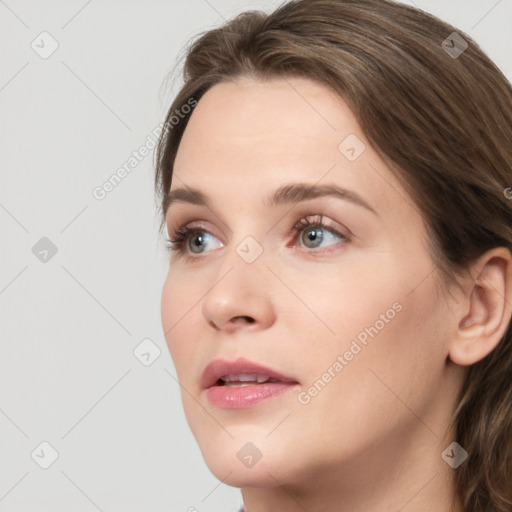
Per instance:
(242,397)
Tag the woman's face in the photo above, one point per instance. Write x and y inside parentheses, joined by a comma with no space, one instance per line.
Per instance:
(347,311)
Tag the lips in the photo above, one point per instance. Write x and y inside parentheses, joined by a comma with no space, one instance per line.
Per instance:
(240,373)
(242,384)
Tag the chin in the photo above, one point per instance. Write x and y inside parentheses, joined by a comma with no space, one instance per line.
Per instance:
(244,460)
(232,472)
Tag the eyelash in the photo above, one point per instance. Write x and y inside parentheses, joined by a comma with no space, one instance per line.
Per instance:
(180,237)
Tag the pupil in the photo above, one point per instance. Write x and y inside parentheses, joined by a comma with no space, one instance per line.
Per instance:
(197,241)
(314,235)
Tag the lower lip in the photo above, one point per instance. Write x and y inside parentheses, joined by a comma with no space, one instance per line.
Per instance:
(227,397)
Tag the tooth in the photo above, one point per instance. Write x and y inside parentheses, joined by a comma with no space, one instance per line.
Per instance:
(240,378)
(260,379)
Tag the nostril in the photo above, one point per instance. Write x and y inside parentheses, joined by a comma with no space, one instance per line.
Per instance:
(212,324)
(247,318)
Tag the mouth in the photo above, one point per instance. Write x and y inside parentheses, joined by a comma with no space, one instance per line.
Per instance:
(242,383)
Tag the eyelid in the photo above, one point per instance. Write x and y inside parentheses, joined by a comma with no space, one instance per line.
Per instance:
(194,224)
(323,222)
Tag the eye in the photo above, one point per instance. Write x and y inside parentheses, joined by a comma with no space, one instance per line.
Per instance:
(312,232)
(194,238)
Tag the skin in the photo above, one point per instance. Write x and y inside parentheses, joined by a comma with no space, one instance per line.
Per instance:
(371,440)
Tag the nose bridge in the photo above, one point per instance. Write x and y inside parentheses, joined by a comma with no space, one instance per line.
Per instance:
(246,241)
(236,291)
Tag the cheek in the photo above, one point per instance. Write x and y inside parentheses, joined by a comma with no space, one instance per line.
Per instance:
(351,303)
(168,308)
(177,312)
(392,360)
(387,331)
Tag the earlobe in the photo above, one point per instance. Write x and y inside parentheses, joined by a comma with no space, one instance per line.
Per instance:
(487,310)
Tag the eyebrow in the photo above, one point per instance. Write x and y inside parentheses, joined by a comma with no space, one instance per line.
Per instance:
(289,193)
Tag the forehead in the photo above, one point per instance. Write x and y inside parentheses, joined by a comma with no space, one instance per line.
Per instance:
(248,112)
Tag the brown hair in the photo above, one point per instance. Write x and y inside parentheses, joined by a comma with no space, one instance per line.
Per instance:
(442,121)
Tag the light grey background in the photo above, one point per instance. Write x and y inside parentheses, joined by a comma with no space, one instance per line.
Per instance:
(70,325)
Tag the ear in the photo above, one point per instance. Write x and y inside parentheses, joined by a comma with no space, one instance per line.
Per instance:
(486,309)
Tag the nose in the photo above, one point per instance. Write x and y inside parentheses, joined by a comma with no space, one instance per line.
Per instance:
(240,298)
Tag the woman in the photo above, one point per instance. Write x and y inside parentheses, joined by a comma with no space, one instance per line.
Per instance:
(334,177)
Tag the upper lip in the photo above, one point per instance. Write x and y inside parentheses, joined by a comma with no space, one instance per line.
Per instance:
(220,368)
